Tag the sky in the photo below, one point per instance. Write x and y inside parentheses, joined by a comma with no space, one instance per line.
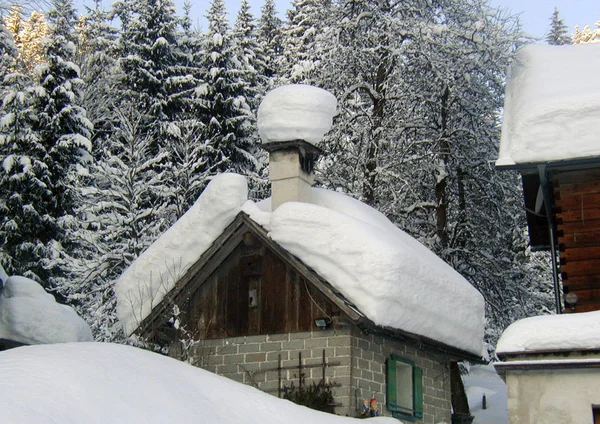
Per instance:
(534,14)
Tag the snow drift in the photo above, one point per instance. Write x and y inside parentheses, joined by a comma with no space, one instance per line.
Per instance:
(30,315)
(109,383)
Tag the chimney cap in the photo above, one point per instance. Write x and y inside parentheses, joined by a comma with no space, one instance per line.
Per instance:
(296,112)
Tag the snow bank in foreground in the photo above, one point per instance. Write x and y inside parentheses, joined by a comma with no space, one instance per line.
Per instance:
(551,105)
(296,112)
(30,315)
(109,383)
(552,333)
(144,284)
(393,279)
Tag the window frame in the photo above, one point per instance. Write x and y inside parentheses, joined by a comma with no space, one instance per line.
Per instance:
(392,389)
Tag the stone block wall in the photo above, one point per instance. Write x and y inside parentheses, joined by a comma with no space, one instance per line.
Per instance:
(369,375)
(254,360)
(357,371)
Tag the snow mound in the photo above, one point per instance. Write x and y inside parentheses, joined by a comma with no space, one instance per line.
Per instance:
(144,284)
(30,315)
(296,112)
(551,105)
(552,333)
(109,383)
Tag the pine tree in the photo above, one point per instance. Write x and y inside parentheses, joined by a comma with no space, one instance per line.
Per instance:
(8,54)
(96,41)
(62,135)
(269,36)
(586,35)
(558,34)
(227,138)
(28,35)
(25,225)
(302,37)
(251,55)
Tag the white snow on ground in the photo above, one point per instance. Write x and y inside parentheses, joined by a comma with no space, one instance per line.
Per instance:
(483,380)
(144,284)
(552,333)
(392,278)
(551,105)
(30,315)
(109,383)
(296,112)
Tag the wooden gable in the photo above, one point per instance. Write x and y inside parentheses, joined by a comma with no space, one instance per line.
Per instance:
(577,208)
(245,284)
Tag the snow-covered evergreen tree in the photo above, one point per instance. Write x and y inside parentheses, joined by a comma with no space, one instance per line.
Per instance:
(302,37)
(50,148)
(28,35)
(227,141)
(248,50)
(25,225)
(8,54)
(99,71)
(558,34)
(586,35)
(269,36)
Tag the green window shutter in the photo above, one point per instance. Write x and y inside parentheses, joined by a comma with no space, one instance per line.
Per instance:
(418,391)
(391,399)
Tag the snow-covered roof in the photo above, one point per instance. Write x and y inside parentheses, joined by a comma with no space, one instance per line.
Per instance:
(552,104)
(390,277)
(552,333)
(109,383)
(296,112)
(30,315)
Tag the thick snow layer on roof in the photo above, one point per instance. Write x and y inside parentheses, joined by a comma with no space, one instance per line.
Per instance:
(552,333)
(390,277)
(551,105)
(296,112)
(109,383)
(30,315)
(144,284)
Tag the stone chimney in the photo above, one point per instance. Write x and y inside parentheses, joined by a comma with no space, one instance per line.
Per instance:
(292,120)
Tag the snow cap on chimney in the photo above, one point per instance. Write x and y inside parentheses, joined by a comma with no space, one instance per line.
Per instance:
(296,112)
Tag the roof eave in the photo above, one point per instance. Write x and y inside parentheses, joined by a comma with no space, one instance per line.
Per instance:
(533,166)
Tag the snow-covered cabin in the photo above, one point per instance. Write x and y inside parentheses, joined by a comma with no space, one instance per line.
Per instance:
(308,286)
(551,135)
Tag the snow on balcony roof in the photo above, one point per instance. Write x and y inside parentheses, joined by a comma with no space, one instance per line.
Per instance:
(552,333)
(391,278)
(552,106)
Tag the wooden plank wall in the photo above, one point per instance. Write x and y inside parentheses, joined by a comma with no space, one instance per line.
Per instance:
(286,301)
(577,196)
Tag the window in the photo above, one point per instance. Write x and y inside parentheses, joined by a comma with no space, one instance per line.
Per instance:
(404,389)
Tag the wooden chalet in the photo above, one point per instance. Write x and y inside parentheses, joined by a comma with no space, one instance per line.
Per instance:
(555,147)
